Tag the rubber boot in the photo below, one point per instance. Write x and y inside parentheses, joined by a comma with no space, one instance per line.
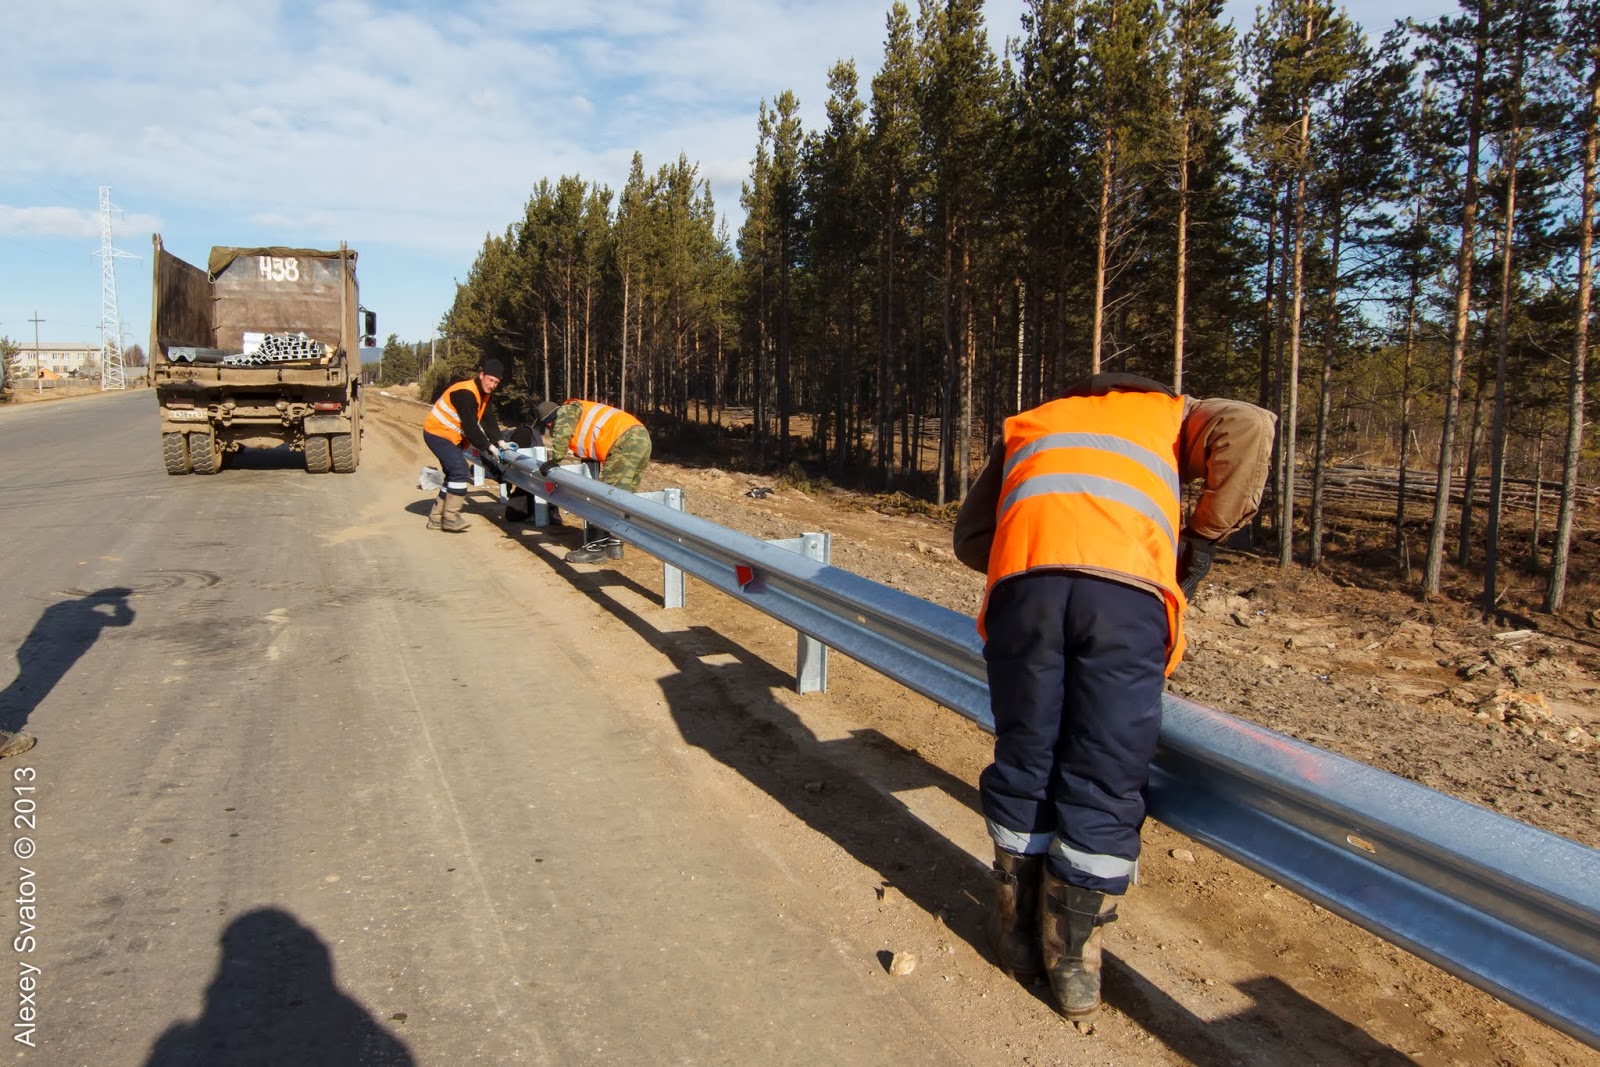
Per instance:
(594,551)
(1013,922)
(452,522)
(1069,925)
(15,744)
(437,514)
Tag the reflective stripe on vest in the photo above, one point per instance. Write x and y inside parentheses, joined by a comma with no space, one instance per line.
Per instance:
(444,421)
(1091,483)
(599,426)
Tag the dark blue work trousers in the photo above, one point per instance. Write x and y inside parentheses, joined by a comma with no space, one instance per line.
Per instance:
(1076,670)
(453,461)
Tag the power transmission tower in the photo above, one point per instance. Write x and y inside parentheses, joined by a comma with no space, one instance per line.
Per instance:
(111,372)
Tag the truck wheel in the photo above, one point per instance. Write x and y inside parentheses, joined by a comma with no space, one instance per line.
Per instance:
(344,453)
(175,453)
(317,461)
(204,456)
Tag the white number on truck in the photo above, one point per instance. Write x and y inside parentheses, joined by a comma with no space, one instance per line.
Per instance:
(279,268)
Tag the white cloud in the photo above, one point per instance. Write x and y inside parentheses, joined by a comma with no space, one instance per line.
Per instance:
(68,222)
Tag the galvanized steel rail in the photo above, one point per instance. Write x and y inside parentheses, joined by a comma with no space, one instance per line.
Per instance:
(1507,907)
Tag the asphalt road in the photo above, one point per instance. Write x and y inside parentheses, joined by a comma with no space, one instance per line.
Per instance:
(317,786)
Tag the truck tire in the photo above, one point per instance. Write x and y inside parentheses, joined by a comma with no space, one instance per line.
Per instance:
(344,453)
(175,453)
(204,456)
(317,460)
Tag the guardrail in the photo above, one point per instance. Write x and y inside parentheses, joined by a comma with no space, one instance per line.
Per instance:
(1507,907)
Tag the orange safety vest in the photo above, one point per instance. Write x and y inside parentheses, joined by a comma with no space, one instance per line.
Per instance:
(599,426)
(444,421)
(1092,483)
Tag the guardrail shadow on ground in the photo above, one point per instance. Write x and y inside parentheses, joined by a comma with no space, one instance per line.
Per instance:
(274,1000)
(1281,1026)
(65,631)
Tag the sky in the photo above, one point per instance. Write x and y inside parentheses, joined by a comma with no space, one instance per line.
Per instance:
(411,130)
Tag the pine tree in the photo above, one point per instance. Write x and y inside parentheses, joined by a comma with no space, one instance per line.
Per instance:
(959,116)
(1581,65)
(1459,52)
(1202,89)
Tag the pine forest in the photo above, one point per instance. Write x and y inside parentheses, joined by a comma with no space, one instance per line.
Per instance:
(1382,234)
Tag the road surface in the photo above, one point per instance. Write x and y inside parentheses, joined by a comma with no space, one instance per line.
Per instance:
(316,784)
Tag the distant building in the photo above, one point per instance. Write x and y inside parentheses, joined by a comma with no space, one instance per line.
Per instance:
(66,360)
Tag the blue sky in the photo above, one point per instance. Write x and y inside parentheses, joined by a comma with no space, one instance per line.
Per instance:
(408,129)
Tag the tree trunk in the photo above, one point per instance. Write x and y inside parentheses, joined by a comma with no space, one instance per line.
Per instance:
(1555,593)
(1292,380)
(1319,455)
(622,374)
(1102,236)
(1182,280)
(1458,329)
(1497,437)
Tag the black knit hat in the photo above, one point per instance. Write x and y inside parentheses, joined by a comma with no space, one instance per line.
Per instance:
(493,368)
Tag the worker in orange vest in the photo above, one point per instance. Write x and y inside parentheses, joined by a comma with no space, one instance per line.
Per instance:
(459,419)
(609,436)
(1076,520)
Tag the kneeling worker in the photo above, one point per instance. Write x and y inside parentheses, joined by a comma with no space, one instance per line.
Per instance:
(1078,524)
(609,436)
(460,417)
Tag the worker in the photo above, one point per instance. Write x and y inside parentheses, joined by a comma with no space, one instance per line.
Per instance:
(1076,521)
(462,417)
(609,436)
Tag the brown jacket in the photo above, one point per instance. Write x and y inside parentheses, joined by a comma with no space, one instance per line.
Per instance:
(1225,443)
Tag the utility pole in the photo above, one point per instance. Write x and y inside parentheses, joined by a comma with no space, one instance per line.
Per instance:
(38,378)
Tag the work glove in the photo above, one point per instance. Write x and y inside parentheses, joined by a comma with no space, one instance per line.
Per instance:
(506,453)
(1195,554)
(547,466)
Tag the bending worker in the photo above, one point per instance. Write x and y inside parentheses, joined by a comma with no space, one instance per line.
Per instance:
(1077,522)
(609,436)
(462,417)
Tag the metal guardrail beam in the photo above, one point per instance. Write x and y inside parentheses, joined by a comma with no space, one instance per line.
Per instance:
(1507,907)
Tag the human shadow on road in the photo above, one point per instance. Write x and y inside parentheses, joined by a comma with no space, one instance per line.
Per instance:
(65,631)
(274,1001)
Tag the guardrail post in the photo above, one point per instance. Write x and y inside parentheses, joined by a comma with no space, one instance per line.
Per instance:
(811,655)
(591,469)
(674,582)
(539,514)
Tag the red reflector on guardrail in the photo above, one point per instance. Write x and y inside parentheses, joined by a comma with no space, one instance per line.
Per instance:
(745,574)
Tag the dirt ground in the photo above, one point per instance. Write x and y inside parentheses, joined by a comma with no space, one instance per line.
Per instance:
(1211,963)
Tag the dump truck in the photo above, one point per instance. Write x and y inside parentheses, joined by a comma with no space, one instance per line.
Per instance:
(261,349)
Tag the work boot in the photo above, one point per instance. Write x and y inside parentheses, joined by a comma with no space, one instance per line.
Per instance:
(15,744)
(437,513)
(1069,925)
(593,552)
(452,522)
(1013,924)
(613,548)
(595,549)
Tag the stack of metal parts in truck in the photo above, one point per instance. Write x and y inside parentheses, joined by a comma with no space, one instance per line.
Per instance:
(274,348)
